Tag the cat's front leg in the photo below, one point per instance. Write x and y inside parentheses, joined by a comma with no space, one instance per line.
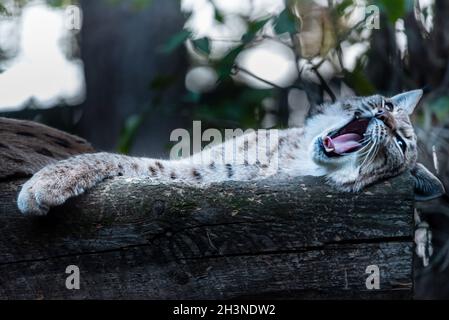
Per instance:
(55,183)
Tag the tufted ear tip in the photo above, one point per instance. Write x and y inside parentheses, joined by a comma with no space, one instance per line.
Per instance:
(427,185)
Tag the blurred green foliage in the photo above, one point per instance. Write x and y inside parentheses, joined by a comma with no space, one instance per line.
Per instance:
(3,9)
(286,23)
(176,41)
(235,104)
(129,132)
(136,4)
(440,107)
(394,9)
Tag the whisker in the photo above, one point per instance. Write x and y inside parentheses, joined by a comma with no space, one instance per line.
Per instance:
(361,153)
(372,152)
(365,158)
(374,155)
(376,149)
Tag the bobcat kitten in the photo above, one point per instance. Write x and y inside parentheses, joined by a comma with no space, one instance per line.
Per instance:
(353,143)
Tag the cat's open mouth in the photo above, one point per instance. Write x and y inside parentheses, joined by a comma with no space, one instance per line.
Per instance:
(347,139)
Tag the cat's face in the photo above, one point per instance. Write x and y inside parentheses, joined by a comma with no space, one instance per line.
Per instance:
(365,139)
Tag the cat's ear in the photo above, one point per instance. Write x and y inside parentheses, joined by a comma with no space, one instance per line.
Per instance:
(407,101)
(427,186)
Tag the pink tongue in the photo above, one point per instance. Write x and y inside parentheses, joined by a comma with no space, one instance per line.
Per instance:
(344,143)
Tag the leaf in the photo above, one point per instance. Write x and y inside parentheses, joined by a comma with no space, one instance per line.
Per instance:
(3,10)
(218,16)
(341,7)
(202,45)
(358,80)
(285,23)
(238,110)
(128,133)
(253,28)
(226,64)
(394,9)
(176,41)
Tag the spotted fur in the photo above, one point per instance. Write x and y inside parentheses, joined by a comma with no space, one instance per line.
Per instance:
(290,152)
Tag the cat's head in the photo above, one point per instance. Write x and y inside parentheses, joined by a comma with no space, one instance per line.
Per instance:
(361,140)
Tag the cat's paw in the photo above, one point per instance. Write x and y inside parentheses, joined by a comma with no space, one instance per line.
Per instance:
(55,183)
(37,196)
(43,191)
(29,204)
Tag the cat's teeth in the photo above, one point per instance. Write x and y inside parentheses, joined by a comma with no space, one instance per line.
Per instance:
(328,144)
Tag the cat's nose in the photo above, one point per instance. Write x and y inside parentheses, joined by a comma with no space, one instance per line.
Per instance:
(387,118)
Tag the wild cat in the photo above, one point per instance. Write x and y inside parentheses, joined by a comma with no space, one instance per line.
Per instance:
(353,143)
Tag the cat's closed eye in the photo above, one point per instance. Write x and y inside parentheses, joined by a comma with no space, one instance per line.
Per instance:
(401,143)
(388,106)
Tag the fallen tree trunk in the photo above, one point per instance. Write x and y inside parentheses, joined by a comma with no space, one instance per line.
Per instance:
(134,238)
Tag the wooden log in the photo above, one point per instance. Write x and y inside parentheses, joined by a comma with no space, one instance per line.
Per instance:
(135,238)
(26,147)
